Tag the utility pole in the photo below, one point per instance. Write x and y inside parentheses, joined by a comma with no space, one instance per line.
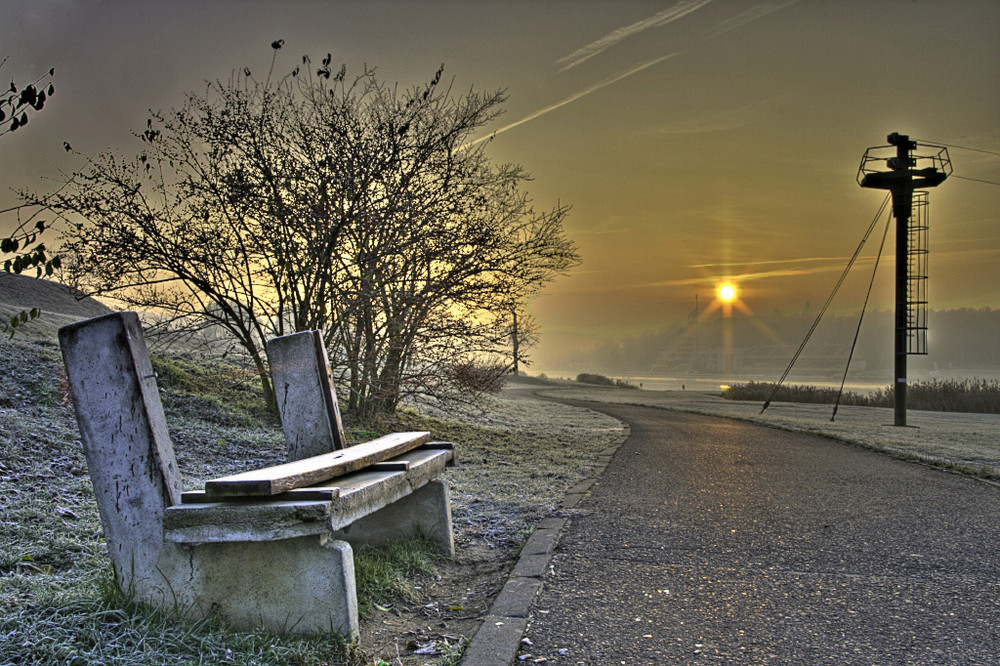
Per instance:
(516,341)
(902,178)
(694,358)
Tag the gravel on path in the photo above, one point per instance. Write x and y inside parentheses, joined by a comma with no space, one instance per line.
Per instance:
(715,541)
(969,443)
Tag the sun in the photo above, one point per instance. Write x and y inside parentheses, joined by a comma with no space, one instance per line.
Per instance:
(727,292)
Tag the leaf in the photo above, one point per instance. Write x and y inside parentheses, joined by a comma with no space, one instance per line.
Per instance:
(40,225)
(277,44)
(29,96)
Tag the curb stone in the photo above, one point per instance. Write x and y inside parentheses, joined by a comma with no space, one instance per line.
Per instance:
(499,636)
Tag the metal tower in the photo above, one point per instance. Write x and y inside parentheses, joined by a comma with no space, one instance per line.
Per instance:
(906,171)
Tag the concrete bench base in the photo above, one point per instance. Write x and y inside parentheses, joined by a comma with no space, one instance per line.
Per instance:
(427,511)
(284,565)
(303,585)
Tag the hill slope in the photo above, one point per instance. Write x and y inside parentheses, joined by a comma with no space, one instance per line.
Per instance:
(59,303)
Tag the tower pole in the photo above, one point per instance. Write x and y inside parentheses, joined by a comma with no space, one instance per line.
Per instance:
(902,205)
(902,178)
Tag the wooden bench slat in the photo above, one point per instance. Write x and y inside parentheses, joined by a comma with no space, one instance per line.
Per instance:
(265,519)
(274,480)
(294,495)
(364,491)
(390,466)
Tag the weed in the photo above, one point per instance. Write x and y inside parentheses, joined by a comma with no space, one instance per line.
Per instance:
(386,574)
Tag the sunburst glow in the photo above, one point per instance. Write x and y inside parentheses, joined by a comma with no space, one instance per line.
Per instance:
(727,292)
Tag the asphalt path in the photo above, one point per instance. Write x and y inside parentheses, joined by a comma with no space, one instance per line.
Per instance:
(709,540)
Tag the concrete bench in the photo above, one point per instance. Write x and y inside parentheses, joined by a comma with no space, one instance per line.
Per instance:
(268,549)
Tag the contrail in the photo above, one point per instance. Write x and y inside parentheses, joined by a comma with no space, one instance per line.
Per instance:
(575,96)
(679,10)
(749,16)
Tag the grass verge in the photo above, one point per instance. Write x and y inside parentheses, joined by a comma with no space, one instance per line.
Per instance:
(56,606)
(100,624)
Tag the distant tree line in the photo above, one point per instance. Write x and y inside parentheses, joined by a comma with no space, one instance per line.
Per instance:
(322,200)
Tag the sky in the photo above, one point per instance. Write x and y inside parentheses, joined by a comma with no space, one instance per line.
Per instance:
(696,140)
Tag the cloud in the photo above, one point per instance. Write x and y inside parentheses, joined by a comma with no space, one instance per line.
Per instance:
(772,261)
(679,10)
(741,277)
(721,120)
(577,95)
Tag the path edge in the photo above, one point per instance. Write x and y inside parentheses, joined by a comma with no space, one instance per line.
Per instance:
(498,638)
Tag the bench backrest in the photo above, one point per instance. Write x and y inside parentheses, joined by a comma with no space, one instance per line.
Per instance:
(129,453)
(307,401)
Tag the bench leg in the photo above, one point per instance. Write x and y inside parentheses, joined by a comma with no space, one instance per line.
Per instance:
(303,585)
(426,511)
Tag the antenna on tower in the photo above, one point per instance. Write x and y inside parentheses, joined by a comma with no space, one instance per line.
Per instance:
(902,174)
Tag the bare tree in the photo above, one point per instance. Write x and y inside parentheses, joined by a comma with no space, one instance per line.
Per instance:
(318,201)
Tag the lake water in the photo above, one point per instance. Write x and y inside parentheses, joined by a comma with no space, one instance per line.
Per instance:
(713,384)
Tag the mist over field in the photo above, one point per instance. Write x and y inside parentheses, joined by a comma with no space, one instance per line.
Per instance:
(962,343)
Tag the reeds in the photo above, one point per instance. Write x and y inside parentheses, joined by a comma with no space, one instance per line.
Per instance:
(980,396)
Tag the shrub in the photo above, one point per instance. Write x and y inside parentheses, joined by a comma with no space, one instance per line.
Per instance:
(589,378)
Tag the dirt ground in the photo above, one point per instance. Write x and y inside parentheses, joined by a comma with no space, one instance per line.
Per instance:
(450,610)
